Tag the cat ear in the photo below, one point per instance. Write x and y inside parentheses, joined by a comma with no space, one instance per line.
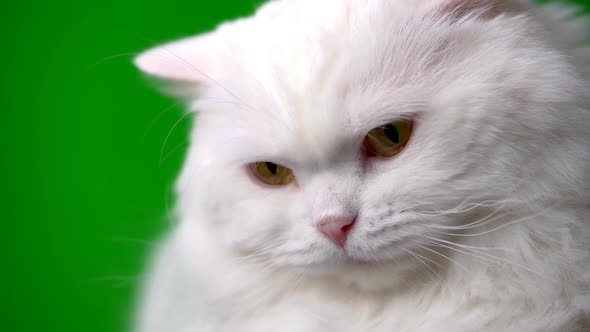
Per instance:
(187,60)
(458,9)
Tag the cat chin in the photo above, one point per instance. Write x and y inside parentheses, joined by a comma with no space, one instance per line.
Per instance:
(365,277)
(362,275)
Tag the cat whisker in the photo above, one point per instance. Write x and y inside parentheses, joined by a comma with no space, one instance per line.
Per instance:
(485,248)
(191,66)
(481,255)
(489,218)
(392,257)
(217,101)
(133,240)
(444,256)
(119,281)
(419,258)
(281,282)
(167,201)
(427,259)
(159,116)
(184,116)
(172,151)
(258,253)
(111,57)
(519,220)
(463,208)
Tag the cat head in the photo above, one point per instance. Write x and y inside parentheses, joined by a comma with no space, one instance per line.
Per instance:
(333,135)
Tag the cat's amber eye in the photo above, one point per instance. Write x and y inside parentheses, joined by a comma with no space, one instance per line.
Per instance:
(272,174)
(389,139)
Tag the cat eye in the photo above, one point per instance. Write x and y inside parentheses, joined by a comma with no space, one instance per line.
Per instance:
(272,174)
(390,139)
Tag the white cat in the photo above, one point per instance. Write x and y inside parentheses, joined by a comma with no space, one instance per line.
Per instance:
(380,165)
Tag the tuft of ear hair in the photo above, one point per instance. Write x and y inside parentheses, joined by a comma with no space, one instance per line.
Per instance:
(486,9)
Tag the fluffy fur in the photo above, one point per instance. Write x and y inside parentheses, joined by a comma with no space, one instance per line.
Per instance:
(481,224)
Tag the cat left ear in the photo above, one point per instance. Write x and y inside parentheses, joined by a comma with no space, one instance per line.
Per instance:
(183,60)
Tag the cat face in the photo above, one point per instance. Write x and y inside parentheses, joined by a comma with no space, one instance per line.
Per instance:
(300,88)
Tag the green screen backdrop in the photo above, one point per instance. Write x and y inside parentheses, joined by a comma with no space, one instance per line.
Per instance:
(89,154)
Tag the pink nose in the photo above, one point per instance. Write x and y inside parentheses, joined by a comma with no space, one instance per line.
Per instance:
(336,228)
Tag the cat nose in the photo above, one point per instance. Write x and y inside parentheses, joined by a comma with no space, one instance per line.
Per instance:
(336,228)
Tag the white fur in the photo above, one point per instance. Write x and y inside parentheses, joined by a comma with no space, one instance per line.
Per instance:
(481,224)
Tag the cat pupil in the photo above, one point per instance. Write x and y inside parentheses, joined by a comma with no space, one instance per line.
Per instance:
(272,168)
(392,133)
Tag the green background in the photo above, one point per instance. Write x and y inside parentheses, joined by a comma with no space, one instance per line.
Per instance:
(89,154)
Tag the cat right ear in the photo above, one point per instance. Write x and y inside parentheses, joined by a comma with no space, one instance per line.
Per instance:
(185,61)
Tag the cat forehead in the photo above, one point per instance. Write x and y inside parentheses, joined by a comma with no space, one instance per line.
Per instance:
(300,36)
(334,59)
(328,72)
(303,42)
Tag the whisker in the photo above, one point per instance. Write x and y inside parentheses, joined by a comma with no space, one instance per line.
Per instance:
(444,256)
(195,68)
(478,223)
(494,229)
(484,256)
(110,57)
(132,240)
(260,252)
(159,116)
(423,263)
(466,208)
(169,134)
(120,280)
(421,258)
(173,150)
